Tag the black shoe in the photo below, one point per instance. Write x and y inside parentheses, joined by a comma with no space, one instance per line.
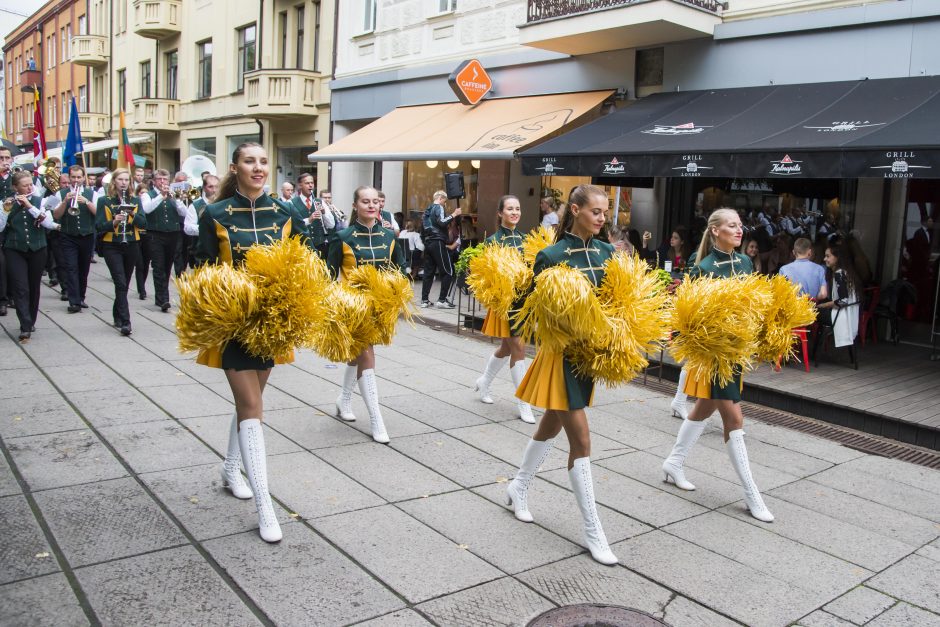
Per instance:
(3,310)
(63,297)
(24,335)
(165,307)
(74,308)
(83,305)
(126,330)
(142,295)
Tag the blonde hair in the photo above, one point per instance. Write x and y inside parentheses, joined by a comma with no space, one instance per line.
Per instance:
(716,219)
(439,194)
(112,186)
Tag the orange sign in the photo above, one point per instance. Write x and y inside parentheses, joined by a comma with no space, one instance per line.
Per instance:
(470,82)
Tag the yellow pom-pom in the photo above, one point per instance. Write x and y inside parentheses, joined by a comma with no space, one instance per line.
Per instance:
(562,309)
(786,311)
(717,321)
(342,329)
(290,279)
(535,241)
(388,293)
(634,302)
(498,277)
(215,303)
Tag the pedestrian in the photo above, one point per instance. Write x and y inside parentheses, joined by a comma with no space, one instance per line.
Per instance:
(388,220)
(243,216)
(552,383)
(810,276)
(142,265)
(6,191)
(163,226)
(435,226)
(365,241)
(549,212)
(287,191)
(75,211)
(511,347)
(717,256)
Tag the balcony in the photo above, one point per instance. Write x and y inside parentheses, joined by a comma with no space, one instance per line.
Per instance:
(587,26)
(274,94)
(90,50)
(157,19)
(29,79)
(156,114)
(94,125)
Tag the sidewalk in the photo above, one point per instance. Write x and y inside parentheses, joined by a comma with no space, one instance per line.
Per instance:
(113,511)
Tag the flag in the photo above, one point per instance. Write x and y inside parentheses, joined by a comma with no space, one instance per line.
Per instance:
(125,156)
(39,131)
(71,154)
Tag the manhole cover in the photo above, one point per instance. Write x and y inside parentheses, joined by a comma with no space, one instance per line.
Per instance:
(588,615)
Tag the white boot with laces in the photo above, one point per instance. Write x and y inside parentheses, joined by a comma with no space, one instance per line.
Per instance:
(370,394)
(251,441)
(493,365)
(673,467)
(738,454)
(583,485)
(518,371)
(232,466)
(517,491)
(344,402)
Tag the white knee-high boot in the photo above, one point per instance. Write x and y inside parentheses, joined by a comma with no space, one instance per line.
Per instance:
(251,441)
(232,466)
(679,403)
(738,454)
(518,371)
(517,491)
(344,401)
(370,393)
(493,365)
(689,433)
(583,485)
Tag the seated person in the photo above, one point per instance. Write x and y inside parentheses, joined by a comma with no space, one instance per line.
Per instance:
(810,276)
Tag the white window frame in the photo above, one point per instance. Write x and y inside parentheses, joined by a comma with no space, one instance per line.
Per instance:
(446,6)
(369,15)
(83,98)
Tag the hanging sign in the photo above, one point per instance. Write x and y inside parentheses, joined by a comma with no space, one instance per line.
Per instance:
(470,82)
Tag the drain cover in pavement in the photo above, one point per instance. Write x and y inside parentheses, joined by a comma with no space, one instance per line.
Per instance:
(589,615)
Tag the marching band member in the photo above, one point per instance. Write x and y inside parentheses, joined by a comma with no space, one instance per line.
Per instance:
(24,226)
(320,223)
(511,347)
(163,227)
(388,220)
(243,216)
(6,190)
(365,241)
(119,220)
(75,212)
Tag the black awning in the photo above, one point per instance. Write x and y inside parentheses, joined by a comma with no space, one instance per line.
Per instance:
(854,129)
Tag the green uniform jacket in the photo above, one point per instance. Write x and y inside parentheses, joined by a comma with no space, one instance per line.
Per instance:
(164,217)
(506,237)
(21,231)
(104,220)
(358,244)
(84,222)
(199,206)
(317,233)
(6,187)
(228,228)
(723,265)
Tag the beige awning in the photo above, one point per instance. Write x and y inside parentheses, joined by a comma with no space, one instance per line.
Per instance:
(493,129)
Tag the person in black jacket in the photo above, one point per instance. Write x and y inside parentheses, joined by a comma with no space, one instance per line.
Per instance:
(436,255)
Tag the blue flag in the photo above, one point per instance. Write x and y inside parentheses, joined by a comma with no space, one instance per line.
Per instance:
(73,142)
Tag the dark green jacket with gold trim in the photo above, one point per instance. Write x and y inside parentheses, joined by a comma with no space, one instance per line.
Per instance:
(587,256)
(506,237)
(317,233)
(21,232)
(82,224)
(358,244)
(104,220)
(230,227)
(722,265)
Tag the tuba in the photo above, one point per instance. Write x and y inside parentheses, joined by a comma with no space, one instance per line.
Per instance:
(50,176)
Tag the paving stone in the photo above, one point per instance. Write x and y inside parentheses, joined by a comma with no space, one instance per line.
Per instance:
(325,587)
(731,588)
(397,424)
(820,618)
(904,615)
(107,520)
(24,551)
(401,618)
(41,602)
(90,375)
(8,483)
(829,535)
(34,415)
(801,442)
(483,527)
(927,479)
(421,379)
(152,446)
(432,411)
(188,401)
(302,385)
(382,469)
(158,371)
(312,488)
(197,499)
(621,428)
(501,602)
(175,585)
(682,612)
(273,398)
(12,358)
(60,459)
(638,500)
(507,444)
(883,490)
(311,429)
(773,456)
(102,410)
(555,509)
(716,463)
(504,409)
(601,447)
(413,559)
(930,552)
(860,605)
(24,383)
(214,431)
(859,511)
(452,458)
(771,554)
(913,579)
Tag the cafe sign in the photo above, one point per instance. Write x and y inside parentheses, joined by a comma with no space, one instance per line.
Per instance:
(470,82)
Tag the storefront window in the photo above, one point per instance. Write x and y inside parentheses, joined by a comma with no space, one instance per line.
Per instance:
(204,147)
(423,178)
(235,140)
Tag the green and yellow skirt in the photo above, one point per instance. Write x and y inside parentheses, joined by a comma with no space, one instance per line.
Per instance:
(233,356)
(551,383)
(703,388)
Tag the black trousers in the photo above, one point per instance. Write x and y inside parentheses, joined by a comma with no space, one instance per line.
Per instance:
(142,267)
(121,259)
(162,253)
(24,273)
(436,257)
(54,264)
(76,254)
(181,258)
(4,294)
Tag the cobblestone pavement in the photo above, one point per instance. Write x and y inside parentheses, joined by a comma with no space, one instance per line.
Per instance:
(114,514)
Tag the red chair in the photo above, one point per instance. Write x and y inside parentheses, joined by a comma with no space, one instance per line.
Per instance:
(802,335)
(867,320)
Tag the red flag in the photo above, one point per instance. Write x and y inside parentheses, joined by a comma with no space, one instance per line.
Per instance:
(125,156)
(39,131)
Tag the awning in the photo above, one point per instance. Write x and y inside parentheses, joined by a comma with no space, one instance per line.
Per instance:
(104,144)
(855,129)
(493,129)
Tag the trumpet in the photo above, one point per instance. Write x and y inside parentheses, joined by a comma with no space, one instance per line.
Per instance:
(182,191)
(73,208)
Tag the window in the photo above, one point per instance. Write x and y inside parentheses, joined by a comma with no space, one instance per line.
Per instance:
(145,79)
(299,61)
(282,25)
(235,140)
(122,89)
(83,98)
(68,43)
(172,72)
(50,46)
(53,107)
(98,91)
(246,54)
(82,25)
(368,24)
(204,70)
(66,103)
(447,6)
(649,71)
(204,147)
(316,36)
(65,46)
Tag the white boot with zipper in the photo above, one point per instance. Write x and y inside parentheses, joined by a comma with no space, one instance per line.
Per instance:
(493,365)
(344,402)
(232,478)
(673,467)
(738,454)
(583,485)
(251,441)
(370,394)
(518,371)
(517,491)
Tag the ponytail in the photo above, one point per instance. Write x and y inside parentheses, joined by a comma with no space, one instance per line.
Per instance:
(717,217)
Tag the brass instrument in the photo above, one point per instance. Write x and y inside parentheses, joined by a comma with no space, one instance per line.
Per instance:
(182,191)
(127,210)
(49,171)
(8,204)
(73,208)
